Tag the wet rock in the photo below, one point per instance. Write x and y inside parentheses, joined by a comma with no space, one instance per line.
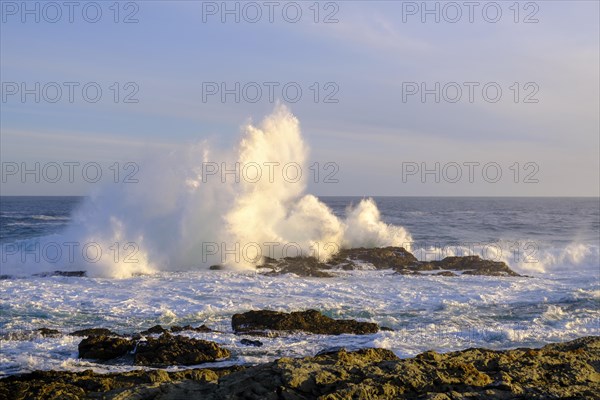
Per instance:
(475,265)
(310,321)
(156,329)
(202,328)
(77,274)
(48,332)
(445,273)
(248,342)
(396,258)
(104,347)
(302,266)
(380,258)
(177,350)
(94,332)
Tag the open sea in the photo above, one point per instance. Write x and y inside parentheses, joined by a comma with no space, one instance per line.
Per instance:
(554,241)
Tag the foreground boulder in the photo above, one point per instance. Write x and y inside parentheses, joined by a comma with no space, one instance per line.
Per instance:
(310,321)
(177,350)
(395,258)
(162,351)
(565,370)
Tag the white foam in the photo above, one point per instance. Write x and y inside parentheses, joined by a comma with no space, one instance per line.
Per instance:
(426,312)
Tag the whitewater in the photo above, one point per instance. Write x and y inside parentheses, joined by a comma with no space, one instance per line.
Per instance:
(179,206)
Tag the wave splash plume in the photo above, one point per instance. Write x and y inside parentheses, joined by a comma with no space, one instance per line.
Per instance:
(181,215)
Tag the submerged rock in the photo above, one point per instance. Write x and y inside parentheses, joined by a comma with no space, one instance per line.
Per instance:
(177,350)
(564,370)
(78,274)
(310,321)
(48,332)
(248,342)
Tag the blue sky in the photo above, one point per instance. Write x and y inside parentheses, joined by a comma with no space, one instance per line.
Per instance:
(369,55)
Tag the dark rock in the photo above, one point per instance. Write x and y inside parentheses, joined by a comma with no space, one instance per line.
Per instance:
(104,347)
(331,350)
(48,332)
(215,267)
(94,332)
(310,321)
(77,274)
(202,328)
(154,330)
(396,258)
(177,350)
(475,265)
(380,258)
(445,273)
(385,328)
(248,342)
(302,266)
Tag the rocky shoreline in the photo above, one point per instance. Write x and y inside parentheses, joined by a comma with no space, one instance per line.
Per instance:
(563,370)
(570,370)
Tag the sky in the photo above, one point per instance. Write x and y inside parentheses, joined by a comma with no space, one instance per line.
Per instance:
(404,98)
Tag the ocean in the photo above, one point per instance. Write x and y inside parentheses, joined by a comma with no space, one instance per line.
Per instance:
(553,241)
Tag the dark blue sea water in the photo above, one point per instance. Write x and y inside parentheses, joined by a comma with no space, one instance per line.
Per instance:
(556,221)
(23,217)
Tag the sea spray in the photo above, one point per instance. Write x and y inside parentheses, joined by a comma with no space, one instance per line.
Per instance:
(180,215)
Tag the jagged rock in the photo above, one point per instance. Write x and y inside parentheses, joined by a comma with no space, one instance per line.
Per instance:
(104,347)
(396,258)
(564,370)
(177,350)
(94,332)
(380,257)
(248,342)
(154,330)
(475,265)
(77,385)
(310,321)
(162,351)
(302,266)
(202,328)
(48,332)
